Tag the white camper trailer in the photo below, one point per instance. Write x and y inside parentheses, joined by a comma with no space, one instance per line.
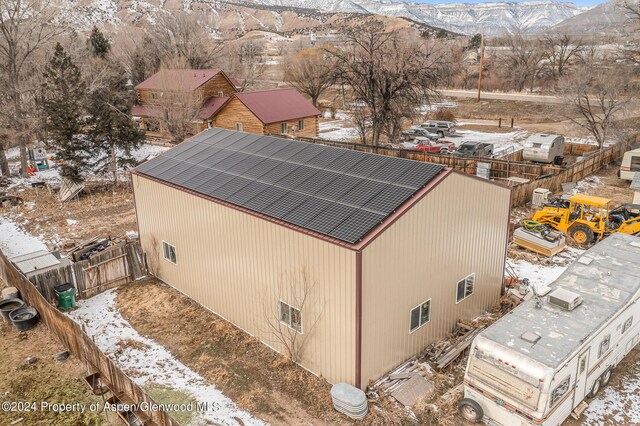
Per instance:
(544,148)
(630,164)
(537,364)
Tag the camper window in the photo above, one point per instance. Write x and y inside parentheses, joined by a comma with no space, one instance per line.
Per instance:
(635,163)
(604,345)
(627,324)
(560,390)
(537,145)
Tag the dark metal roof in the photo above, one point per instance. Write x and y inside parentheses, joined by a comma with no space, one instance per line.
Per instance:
(336,192)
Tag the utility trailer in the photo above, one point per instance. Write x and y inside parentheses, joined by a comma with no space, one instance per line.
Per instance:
(538,364)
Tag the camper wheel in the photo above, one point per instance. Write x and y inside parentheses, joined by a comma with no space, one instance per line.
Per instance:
(470,410)
(606,377)
(594,389)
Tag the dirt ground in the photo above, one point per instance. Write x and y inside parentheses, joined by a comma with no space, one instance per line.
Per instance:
(46,380)
(97,212)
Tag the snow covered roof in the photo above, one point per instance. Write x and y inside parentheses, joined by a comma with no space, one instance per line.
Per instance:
(607,277)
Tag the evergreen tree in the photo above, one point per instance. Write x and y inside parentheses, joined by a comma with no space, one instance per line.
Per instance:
(63,93)
(98,43)
(113,134)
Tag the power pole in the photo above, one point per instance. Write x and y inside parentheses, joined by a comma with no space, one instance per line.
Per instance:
(481,63)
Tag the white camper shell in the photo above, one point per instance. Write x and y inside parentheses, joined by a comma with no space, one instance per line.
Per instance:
(536,365)
(630,164)
(544,148)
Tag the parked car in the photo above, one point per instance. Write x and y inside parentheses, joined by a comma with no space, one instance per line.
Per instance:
(442,128)
(475,149)
(415,132)
(426,145)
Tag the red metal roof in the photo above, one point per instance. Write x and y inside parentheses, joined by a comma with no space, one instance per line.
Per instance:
(272,106)
(146,111)
(212,106)
(178,80)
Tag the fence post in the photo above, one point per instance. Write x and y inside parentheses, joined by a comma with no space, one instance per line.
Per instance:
(500,122)
(512,122)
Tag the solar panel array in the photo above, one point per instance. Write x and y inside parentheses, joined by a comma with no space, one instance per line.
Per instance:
(340,193)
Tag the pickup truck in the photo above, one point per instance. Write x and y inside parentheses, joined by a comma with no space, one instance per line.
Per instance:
(425,145)
(475,149)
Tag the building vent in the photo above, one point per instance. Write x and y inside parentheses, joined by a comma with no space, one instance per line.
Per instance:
(529,336)
(565,299)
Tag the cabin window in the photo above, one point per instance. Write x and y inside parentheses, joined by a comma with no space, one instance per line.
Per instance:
(169,252)
(604,345)
(239,127)
(464,288)
(559,391)
(283,128)
(290,316)
(635,164)
(420,315)
(627,324)
(220,93)
(300,124)
(154,96)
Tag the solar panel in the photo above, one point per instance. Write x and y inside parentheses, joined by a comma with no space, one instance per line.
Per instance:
(340,193)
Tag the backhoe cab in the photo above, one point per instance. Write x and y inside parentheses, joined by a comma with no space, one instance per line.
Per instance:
(587,219)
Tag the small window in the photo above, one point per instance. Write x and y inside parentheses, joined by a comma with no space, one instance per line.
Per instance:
(220,93)
(239,127)
(154,96)
(283,128)
(290,316)
(559,391)
(169,252)
(465,287)
(420,315)
(635,164)
(300,124)
(583,364)
(627,324)
(604,345)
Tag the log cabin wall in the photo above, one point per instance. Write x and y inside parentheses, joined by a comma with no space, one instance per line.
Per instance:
(236,112)
(214,86)
(310,129)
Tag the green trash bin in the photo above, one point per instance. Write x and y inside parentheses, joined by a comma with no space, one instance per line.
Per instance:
(66,295)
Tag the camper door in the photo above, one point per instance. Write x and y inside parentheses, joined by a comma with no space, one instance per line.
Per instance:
(581,378)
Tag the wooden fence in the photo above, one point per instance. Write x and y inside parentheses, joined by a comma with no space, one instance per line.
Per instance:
(82,346)
(110,268)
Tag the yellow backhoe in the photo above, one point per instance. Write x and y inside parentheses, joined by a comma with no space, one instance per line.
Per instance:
(587,219)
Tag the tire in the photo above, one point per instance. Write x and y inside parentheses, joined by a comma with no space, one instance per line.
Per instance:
(582,235)
(594,389)
(444,151)
(606,377)
(470,410)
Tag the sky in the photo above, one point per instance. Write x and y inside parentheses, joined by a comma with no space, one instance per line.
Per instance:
(577,2)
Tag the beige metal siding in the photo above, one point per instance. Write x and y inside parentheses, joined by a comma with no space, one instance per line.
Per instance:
(233,263)
(459,228)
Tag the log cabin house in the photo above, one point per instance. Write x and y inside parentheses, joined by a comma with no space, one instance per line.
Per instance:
(201,99)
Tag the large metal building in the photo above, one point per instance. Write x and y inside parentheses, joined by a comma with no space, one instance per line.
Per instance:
(358,259)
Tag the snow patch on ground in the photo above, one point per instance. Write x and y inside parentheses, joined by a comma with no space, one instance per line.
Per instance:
(14,241)
(147,362)
(617,405)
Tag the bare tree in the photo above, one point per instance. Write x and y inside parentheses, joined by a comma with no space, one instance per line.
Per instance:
(521,63)
(180,35)
(25,27)
(596,97)
(380,69)
(558,50)
(310,71)
(245,62)
(291,315)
